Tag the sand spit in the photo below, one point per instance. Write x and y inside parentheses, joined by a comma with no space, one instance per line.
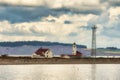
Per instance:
(29,60)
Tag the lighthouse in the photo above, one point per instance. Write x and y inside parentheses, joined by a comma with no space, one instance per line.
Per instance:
(74,49)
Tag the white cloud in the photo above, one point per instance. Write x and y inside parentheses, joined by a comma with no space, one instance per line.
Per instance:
(47,30)
(114,12)
(53,3)
(43,30)
(66,26)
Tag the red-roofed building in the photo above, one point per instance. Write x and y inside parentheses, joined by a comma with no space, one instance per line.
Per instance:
(42,53)
(75,53)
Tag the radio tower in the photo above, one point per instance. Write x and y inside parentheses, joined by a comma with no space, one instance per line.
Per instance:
(93,50)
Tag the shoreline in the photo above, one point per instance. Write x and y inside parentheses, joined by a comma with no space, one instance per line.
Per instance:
(29,60)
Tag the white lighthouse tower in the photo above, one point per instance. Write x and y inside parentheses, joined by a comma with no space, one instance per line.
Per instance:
(74,49)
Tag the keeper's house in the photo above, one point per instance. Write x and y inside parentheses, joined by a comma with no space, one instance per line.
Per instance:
(42,53)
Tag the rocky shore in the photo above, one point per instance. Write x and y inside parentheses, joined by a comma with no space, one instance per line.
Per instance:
(29,60)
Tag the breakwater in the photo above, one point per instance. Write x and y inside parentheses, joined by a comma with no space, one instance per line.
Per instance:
(29,60)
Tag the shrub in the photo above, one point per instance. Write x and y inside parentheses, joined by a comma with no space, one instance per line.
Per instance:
(4,55)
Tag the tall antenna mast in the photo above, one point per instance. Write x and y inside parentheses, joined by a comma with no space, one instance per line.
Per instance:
(93,50)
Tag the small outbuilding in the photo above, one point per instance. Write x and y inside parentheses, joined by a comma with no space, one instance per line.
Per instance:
(43,53)
(77,55)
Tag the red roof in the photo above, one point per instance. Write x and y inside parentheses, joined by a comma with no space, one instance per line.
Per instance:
(41,51)
(77,54)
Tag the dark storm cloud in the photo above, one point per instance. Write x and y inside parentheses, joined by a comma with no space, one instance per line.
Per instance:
(111,2)
(114,3)
(81,10)
(17,14)
(96,11)
(25,14)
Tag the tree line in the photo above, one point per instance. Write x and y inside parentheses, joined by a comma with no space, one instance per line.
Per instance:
(36,43)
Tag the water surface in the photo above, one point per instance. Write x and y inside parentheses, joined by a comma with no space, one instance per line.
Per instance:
(60,72)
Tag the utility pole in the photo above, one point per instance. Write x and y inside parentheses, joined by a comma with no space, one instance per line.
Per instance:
(93,50)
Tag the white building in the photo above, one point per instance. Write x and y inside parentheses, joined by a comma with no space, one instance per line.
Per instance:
(42,53)
(75,53)
(74,49)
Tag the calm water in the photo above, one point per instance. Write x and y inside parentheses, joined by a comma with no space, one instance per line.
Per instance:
(60,72)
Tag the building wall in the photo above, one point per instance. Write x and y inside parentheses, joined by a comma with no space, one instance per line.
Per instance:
(47,54)
(36,56)
(74,49)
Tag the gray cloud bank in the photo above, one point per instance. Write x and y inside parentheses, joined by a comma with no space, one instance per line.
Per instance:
(60,20)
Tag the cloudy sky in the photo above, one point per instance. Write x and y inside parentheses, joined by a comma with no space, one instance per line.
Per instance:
(65,21)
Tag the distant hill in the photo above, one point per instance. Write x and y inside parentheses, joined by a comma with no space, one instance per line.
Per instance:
(29,47)
(35,43)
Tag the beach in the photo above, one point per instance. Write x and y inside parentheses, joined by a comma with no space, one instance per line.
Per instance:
(29,60)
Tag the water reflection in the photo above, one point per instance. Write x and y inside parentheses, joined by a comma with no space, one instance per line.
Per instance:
(60,72)
(93,71)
